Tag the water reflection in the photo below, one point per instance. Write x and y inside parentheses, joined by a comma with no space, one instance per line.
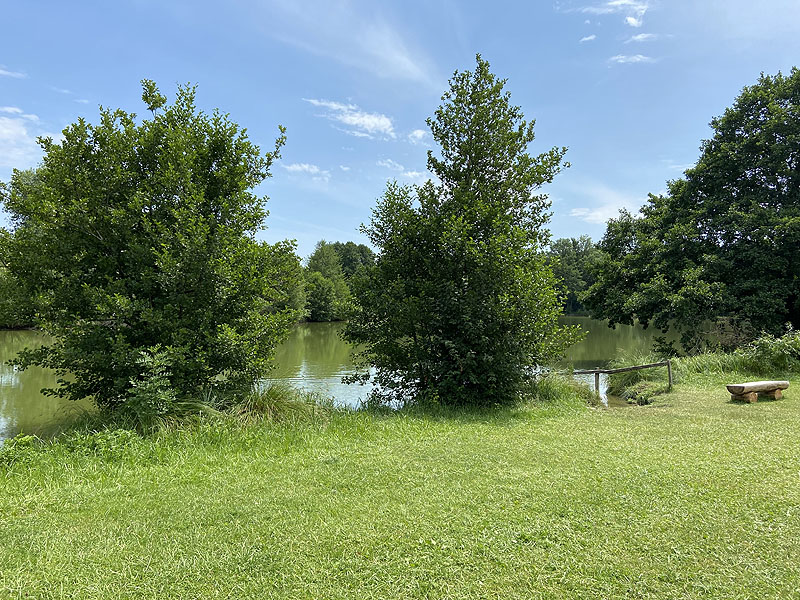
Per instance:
(314,358)
(23,408)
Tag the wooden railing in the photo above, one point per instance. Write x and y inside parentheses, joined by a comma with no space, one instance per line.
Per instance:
(598,371)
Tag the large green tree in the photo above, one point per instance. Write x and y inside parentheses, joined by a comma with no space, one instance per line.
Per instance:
(137,242)
(724,242)
(460,306)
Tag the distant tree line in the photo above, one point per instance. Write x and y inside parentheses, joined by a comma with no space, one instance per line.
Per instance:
(328,273)
(573,261)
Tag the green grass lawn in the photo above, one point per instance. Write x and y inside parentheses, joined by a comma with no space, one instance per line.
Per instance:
(690,497)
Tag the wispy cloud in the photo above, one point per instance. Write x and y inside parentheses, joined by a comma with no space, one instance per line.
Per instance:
(314,171)
(344,168)
(642,37)
(18,132)
(342,31)
(603,203)
(13,110)
(404,173)
(81,101)
(417,136)
(634,10)
(357,122)
(60,90)
(390,164)
(588,38)
(415,175)
(5,72)
(631,59)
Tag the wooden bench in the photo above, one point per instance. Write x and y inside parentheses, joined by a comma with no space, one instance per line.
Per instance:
(750,391)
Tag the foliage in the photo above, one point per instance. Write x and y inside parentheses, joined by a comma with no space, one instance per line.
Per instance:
(15,309)
(353,257)
(139,237)
(572,261)
(460,304)
(328,295)
(725,240)
(320,297)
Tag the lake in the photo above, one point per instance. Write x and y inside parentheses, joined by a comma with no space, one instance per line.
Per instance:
(313,358)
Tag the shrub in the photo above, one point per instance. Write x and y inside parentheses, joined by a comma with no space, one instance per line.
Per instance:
(140,234)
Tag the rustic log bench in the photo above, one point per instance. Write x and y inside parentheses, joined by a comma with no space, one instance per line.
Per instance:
(751,390)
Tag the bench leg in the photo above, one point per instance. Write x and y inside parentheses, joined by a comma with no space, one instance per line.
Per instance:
(748,397)
(774,394)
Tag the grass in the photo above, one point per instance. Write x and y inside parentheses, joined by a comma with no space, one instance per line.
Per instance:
(692,497)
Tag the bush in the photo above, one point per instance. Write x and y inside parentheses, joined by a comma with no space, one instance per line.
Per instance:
(137,234)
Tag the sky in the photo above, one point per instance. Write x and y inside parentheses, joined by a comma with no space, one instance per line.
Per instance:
(629,86)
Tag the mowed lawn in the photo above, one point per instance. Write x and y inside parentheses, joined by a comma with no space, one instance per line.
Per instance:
(693,497)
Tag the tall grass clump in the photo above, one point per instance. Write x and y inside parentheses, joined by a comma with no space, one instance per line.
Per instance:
(766,356)
(278,402)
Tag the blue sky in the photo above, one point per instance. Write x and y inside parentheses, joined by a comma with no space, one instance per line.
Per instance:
(628,85)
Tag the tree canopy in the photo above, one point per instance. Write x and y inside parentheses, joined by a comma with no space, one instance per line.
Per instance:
(724,242)
(460,305)
(573,261)
(327,289)
(136,240)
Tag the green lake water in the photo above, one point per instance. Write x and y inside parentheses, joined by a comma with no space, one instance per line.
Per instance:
(314,357)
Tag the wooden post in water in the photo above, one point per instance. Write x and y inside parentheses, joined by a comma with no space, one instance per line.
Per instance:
(597,380)
(669,373)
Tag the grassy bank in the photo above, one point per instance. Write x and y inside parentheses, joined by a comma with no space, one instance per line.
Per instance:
(690,497)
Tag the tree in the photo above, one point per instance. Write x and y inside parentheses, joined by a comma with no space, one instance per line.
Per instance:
(353,257)
(138,243)
(460,305)
(572,261)
(724,242)
(328,293)
(321,297)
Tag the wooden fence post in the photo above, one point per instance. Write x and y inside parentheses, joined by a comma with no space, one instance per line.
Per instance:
(597,380)
(669,373)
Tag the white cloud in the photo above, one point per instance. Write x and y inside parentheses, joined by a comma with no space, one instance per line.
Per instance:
(350,34)
(634,10)
(417,136)
(60,90)
(631,59)
(344,168)
(588,38)
(642,37)
(18,147)
(390,164)
(603,202)
(7,73)
(81,101)
(414,175)
(316,173)
(358,122)
(13,110)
